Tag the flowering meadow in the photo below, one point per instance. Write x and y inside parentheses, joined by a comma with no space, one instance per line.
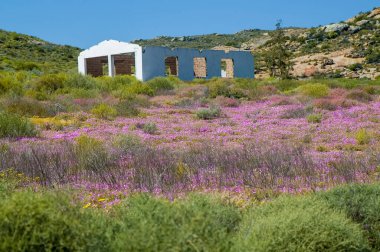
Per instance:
(227,144)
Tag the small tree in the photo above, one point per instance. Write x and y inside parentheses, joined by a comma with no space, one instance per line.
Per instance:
(277,58)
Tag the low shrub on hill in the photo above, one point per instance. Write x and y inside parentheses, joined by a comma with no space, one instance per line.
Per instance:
(198,223)
(314,90)
(298,224)
(50,83)
(104,111)
(47,222)
(361,203)
(160,84)
(12,125)
(208,114)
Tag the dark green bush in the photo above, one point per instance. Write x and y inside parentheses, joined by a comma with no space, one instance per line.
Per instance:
(47,222)
(198,223)
(361,203)
(150,128)
(298,224)
(12,125)
(208,114)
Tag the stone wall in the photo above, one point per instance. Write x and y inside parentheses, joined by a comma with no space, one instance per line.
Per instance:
(200,68)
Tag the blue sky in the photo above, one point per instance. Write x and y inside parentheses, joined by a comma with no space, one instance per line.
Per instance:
(83,23)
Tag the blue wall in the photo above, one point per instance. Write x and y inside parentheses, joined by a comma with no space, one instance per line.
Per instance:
(153,62)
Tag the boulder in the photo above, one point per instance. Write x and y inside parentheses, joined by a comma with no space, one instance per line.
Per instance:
(327,62)
(336,27)
(362,22)
(354,29)
(375,13)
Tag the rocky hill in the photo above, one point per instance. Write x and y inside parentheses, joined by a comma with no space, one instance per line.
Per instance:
(350,48)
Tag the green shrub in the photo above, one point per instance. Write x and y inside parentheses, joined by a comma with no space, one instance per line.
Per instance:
(363,137)
(314,90)
(208,114)
(160,84)
(91,154)
(8,83)
(218,87)
(29,107)
(49,83)
(12,125)
(104,111)
(127,107)
(298,224)
(127,143)
(47,222)
(109,84)
(198,223)
(314,118)
(80,81)
(361,203)
(150,128)
(138,88)
(355,67)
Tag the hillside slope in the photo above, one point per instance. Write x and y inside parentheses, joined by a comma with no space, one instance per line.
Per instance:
(23,52)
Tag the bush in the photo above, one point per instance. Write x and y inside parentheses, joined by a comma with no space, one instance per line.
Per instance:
(127,107)
(12,125)
(150,128)
(294,113)
(362,137)
(325,104)
(127,143)
(160,84)
(298,224)
(138,88)
(117,82)
(359,95)
(208,114)
(314,118)
(198,223)
(30,107)
(91,154)
(314,90)
(218,87)
(226,101)
(104,111)
(49,83)
(355,67)
(9,83)
(80,81)
(45,222)
(361,203)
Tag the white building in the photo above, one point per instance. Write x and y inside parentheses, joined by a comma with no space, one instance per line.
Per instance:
(112,57)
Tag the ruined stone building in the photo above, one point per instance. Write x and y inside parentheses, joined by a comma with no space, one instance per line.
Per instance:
(112,58)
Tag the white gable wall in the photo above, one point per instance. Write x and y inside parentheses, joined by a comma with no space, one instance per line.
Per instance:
(109,48)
